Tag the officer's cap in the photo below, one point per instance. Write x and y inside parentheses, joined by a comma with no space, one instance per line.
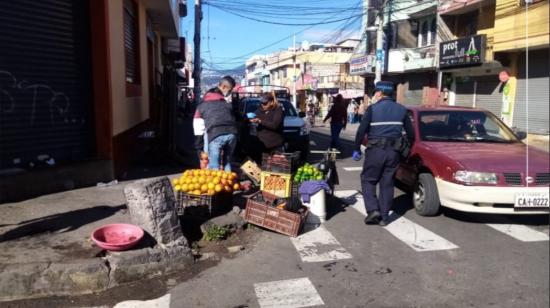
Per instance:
(385,87)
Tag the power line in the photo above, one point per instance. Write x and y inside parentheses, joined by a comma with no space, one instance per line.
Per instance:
(349,19)
(283,23)
(274,43)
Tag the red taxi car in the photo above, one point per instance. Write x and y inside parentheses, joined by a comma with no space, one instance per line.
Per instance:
(468,160)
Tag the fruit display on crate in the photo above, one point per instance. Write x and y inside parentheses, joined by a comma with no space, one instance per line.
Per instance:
(202,187)
(276,183)
(269,211)
(307,172)
(206,182)
(281,162)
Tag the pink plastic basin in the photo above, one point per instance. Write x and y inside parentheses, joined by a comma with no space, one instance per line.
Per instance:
(117,236)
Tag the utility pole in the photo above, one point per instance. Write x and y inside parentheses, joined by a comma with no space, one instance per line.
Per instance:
(294,71)
(380,52)
(197,52)
(365,24)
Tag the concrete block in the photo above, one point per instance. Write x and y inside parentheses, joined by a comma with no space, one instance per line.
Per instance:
(135,265)
(29,280)
(17,280)
(151,204)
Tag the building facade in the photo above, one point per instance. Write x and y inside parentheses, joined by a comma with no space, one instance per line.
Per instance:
(466,58)
(494,55)
(411,60)
(316,71)
(79,82)
(521,40)
(408,53)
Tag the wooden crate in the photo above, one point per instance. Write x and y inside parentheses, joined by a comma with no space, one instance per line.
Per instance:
(278,184)
(273,218)
(252,170)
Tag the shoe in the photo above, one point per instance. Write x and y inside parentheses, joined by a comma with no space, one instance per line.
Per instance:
(372,218)
(383,222)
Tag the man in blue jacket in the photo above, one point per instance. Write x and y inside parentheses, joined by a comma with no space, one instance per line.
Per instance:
(383,123)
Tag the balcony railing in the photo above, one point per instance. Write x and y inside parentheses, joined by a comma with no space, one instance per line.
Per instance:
(410,59)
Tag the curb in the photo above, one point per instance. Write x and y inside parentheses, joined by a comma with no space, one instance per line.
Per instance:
(85,276)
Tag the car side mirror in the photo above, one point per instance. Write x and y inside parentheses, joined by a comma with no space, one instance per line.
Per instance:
(302,114)
(521,135)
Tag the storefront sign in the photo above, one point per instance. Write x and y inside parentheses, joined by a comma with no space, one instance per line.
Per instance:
(332,71)
(465,51)
(362,64)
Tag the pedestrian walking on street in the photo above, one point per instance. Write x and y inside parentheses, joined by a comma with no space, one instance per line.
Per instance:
(338,120)
(311,113)
(269,118)
(351,112)
(383,124)
(220,124)
(361,110)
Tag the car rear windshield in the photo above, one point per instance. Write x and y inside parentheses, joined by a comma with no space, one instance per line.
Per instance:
(461,125)
(289,111)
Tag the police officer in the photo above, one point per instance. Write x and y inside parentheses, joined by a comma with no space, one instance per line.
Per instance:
(383,124)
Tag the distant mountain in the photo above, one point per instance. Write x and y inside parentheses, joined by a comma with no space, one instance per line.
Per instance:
(210,78)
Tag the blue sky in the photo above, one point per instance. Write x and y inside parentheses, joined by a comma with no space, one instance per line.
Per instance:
(227,39)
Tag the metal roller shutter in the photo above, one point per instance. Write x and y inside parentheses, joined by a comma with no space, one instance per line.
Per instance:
(488,95)
(538,108)
(464,93)
(414,92)
(45,105)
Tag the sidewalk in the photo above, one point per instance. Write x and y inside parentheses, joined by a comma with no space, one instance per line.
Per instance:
(46,247)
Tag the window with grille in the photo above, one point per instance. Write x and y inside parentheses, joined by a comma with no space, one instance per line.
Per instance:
(426,32)
(131,42)
(433,31)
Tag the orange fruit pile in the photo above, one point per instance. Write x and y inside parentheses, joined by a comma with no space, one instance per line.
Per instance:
(206,182)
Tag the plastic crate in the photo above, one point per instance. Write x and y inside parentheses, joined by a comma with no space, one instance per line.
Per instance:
(280,162)
(278,184)
(273,218)
(215,204)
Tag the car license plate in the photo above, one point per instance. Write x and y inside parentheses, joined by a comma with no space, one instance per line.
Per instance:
(532,200)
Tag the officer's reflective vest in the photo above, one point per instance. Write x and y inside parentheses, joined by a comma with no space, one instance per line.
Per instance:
(386,119)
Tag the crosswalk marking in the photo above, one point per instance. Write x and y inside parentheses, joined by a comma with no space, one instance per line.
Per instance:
(416,236)
(292,293)
(353,168)
(319,245)
(409,232)
(520,232)
(161,302)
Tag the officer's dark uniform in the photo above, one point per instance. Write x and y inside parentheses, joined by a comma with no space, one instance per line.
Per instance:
(383,124)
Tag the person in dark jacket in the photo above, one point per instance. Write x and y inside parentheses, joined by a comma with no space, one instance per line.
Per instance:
(269,119)
(383,123)
(338,120)
(219,121)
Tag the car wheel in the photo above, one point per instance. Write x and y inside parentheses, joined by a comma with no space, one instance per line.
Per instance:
(425,196)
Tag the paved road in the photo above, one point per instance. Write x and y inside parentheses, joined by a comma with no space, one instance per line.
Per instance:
(452,260)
